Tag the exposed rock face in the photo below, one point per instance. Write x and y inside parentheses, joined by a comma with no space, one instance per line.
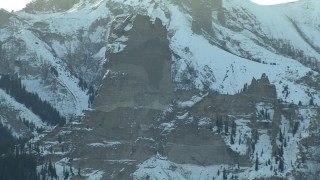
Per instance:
(4,18)
(135,90)
(138,115)
(129,118)
(139,76)
(189,144)
(262,88)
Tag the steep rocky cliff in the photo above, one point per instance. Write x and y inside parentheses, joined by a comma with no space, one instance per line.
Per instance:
(136,88)
(140,127)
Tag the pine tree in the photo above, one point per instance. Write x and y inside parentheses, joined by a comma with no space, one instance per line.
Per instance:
(256,136)
(311,103)
(280,136)
(233,129)
(219,124)
(231,139)
(253,146)
(266,115)
(281,151)
(257,164)
(281,165)
(285,142)
(225,177)
(71,171)
(295,128)
(226,127)
(59,139)
(65,173)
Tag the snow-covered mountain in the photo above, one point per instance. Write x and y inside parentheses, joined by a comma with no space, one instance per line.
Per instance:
(142,55)
(59,56)
(229,42)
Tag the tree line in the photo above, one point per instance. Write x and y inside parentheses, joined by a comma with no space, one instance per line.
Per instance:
(15,164)
(47,113)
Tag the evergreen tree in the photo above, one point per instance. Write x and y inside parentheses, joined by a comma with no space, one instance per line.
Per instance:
(226,127)
(281,165)
(285,142)
(253,146)
(219,124)
(225,177)
(281,151)
(231,139)
(311,103)
(66,174)
(256,136)
(71,171)
(256,164)
(233,129)
(15,163)
(295,128)
(59,139)
(280,136)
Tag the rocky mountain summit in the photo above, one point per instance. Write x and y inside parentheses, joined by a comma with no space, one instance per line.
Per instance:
(165,90)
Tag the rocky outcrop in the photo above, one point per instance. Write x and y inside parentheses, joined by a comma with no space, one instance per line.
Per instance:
(262,88)
(129,115)
(139,76)
(4,18)
(135,90)
(130,121)
(138,114)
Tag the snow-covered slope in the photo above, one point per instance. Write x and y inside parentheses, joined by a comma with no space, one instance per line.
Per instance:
(244,41)
(55,50)
(58,56)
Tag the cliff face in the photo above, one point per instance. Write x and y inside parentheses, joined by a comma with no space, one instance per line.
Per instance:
(138,115)
(136,88)
(135,107)
(140,75)
(262,88)
(140,127)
